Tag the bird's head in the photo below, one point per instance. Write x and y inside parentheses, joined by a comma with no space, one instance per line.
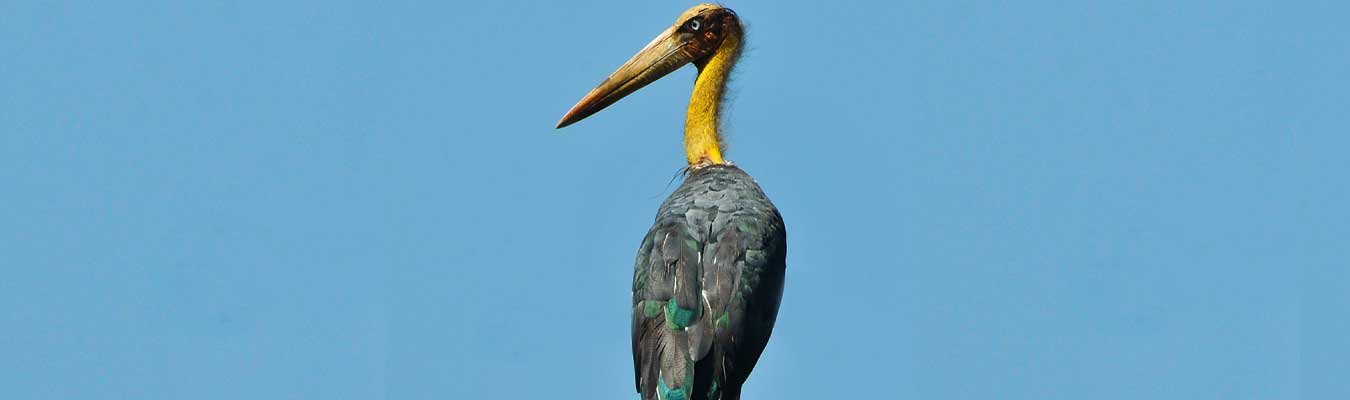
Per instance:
(694,38)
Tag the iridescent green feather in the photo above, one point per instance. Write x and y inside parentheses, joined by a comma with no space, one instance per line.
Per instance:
(680,318)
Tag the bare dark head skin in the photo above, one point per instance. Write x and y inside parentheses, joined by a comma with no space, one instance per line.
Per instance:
(706,31)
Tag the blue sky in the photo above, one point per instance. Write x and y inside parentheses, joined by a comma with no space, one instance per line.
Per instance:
(1012,200)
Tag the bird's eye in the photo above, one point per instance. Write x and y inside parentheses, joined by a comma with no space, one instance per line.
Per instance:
(694,24)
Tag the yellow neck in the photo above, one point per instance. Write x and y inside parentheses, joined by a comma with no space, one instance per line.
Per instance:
(702,141)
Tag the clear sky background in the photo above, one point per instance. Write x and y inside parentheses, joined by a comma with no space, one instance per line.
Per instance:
(984,199)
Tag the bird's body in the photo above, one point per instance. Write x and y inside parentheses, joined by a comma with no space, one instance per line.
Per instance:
(709,274)
(706,287)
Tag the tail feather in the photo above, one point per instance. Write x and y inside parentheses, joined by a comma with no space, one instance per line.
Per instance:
(667,370)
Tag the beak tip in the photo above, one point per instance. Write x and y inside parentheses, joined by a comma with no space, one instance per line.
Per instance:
(564,122)
(573,115)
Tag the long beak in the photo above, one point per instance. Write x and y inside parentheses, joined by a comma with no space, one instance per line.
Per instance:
(662,56)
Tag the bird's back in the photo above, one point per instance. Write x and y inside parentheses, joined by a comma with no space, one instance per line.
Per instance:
(706,287)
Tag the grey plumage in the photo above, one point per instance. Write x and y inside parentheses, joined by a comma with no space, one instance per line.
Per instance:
(706,287)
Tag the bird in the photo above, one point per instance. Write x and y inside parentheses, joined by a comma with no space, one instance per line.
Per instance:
(708,278)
